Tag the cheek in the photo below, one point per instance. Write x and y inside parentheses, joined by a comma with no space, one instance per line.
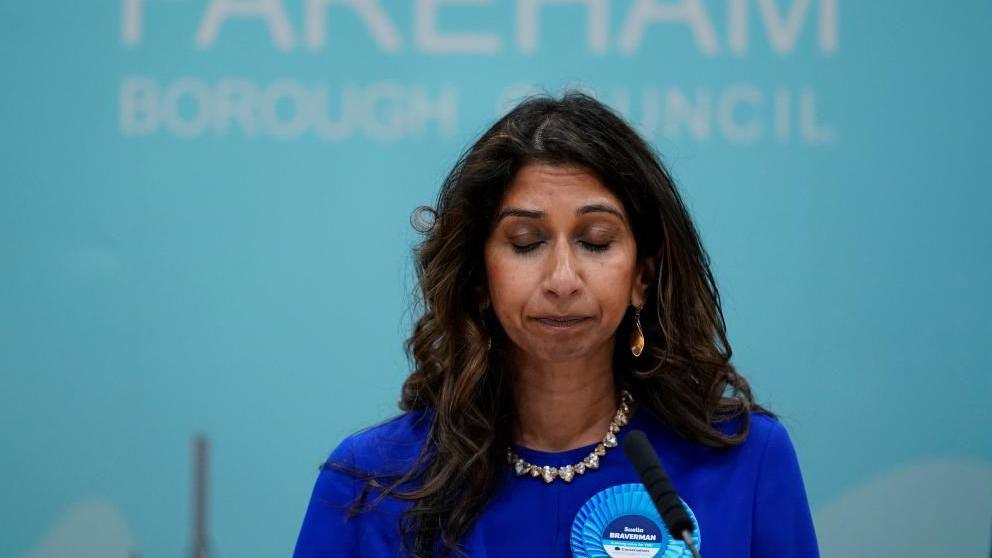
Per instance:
(506,285)
(503,277)
(611,283)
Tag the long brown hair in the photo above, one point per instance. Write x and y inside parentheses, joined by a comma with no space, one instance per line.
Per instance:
(684,375)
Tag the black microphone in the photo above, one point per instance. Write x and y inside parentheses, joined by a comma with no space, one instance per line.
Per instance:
(659,487)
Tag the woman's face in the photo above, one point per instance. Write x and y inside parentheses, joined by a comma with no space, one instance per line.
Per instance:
(561,263)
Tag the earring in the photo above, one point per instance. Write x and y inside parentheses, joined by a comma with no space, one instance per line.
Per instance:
(637,335)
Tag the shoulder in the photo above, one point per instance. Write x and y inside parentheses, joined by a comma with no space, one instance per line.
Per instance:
(762,430)
(382,450)
(778,454)
(767,450)
(769,438)
(766,429)
(386,448)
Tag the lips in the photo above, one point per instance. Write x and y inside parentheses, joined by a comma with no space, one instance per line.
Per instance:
(561,321)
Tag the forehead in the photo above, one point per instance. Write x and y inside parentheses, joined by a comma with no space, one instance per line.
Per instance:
(549,187)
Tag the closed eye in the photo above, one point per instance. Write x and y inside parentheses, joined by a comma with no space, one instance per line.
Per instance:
(596,247)
(588,246)
(525,248)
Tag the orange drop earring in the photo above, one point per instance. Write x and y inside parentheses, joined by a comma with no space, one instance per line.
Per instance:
(637,335)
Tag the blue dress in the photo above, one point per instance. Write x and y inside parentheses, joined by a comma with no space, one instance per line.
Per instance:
(748,500)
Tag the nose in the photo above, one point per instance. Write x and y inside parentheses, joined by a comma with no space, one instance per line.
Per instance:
(562,279)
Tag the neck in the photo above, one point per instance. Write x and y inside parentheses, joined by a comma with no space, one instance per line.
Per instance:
(563,405)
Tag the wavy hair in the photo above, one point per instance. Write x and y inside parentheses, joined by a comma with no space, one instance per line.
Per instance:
(684,375)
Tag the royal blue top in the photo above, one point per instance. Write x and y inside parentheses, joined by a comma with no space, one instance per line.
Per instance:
(748,500)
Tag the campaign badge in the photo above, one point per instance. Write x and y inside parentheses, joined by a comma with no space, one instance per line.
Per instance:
(622,522)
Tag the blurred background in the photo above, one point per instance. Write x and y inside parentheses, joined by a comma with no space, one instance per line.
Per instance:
(205,231)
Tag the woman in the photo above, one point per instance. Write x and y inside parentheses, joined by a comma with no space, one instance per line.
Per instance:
(567,301)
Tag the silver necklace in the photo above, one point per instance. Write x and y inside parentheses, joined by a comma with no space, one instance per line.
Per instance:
(591,461)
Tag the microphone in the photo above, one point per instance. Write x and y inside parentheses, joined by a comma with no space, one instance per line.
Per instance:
(644,459)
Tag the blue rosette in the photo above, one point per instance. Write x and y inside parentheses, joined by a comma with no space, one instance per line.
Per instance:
(622,522)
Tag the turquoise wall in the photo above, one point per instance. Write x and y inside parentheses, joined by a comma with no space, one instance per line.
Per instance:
(204,226)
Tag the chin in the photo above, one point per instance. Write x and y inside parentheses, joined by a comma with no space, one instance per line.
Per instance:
(560,352)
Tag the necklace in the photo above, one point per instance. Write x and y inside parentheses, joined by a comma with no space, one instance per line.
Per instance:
(591,461)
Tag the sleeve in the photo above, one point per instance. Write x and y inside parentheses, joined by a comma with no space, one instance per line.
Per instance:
(783,524)
(326,531)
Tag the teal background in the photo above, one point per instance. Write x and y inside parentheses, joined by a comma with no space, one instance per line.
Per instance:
(255,288)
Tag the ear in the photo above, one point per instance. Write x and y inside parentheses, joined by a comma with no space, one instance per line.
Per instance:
(644,276)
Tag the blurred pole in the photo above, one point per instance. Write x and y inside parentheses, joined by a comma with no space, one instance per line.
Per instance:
(198,546)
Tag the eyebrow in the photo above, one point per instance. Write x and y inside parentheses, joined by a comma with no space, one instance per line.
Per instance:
(535,214)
